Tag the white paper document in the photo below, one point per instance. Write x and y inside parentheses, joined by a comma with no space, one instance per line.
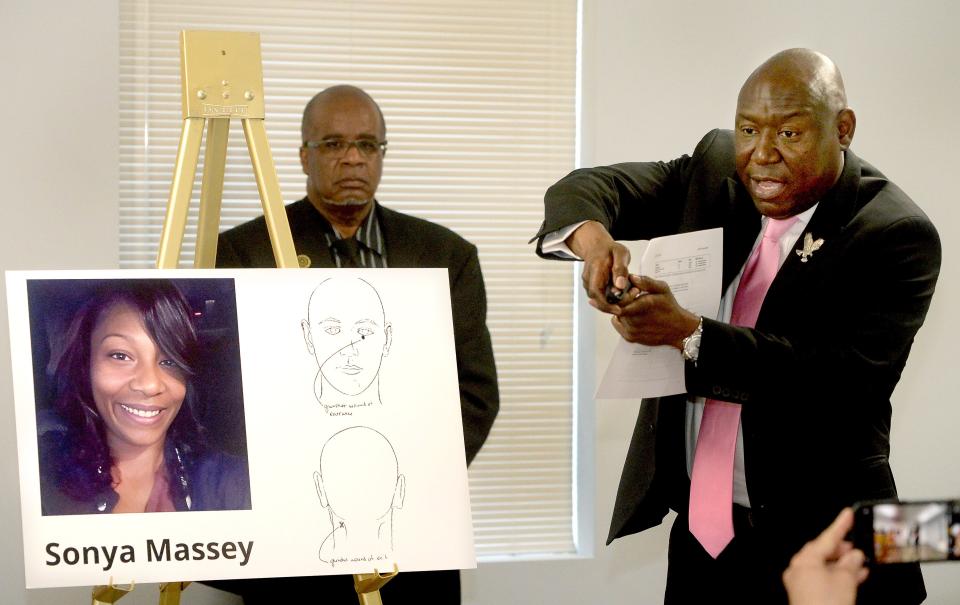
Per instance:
(692,265)
(310,423)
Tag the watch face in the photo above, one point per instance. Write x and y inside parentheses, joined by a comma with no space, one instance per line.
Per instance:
(691,346)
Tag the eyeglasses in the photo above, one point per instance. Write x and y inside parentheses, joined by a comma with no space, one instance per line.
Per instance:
(340,147)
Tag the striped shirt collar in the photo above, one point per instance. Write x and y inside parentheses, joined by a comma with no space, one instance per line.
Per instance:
(373,253)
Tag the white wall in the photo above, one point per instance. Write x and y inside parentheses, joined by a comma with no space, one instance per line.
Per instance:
(655,79)
(58,163)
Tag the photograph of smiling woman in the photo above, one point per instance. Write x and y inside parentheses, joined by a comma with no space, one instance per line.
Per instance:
(125,397)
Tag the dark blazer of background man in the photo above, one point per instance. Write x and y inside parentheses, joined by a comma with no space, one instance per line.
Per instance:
(815,376)
(339,223)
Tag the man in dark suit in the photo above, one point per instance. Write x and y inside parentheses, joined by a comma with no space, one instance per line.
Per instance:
(340,224)
(810,376)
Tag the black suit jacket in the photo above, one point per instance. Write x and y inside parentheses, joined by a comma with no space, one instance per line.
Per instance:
(410,242)
(816,373)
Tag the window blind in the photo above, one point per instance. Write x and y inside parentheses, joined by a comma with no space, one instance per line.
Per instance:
(479,100)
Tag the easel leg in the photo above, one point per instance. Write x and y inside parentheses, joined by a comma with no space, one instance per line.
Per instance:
(109,594)
(211,192)
(368,585)
(370,598)
(175,222)
(170,592)
(273,210)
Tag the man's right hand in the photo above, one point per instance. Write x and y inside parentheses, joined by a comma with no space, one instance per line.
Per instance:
(604,262)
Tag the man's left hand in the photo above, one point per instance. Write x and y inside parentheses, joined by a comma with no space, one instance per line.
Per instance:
(652,316)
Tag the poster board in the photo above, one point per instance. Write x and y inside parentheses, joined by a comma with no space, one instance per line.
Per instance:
(331,443)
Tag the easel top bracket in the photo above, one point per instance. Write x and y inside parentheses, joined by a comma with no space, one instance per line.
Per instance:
(222,74)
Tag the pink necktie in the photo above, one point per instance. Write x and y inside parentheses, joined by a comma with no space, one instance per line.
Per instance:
(711,484)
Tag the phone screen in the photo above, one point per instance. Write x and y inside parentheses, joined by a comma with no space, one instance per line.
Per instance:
(905,532)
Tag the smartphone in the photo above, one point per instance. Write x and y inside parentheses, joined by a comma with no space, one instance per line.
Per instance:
(906,532)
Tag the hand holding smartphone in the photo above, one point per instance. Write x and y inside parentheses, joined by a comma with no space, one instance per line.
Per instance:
(906,532)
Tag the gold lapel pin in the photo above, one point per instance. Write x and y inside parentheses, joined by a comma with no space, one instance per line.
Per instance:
(810,246)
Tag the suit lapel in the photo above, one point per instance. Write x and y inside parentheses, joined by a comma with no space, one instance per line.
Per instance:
(840,204)
(399,240)
(308,227)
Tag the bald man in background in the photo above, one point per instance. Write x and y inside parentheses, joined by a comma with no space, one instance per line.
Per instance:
(340,223)
(801,383)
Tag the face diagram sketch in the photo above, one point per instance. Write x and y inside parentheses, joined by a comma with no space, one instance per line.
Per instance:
(360,485)
(347,332)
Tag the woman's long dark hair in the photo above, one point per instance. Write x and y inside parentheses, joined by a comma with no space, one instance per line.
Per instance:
(83,468)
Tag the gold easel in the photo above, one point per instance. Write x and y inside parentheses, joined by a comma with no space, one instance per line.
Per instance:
(105,595)
(368,585)
(170,592)
(222,78)
(109,594)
